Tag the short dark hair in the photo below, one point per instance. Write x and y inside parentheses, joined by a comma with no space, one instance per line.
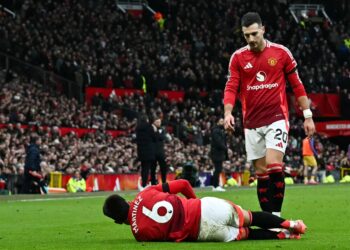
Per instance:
(142,119)
(117,208)
(250,18)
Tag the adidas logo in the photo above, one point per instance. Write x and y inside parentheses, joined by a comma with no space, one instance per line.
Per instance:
(248,66)
(279,145)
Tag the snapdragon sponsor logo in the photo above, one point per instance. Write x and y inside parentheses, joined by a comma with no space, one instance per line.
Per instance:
(263,86)
(261,76)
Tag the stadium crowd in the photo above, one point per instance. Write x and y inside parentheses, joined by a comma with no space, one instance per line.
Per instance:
(29,103)
(101,153)
(97,45)
(94,43)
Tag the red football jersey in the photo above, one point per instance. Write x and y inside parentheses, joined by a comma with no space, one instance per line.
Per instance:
(261,79)
(160,215)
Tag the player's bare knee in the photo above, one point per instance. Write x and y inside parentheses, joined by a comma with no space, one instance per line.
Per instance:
(260,166)
(273,156)
(247,218)
(260,169)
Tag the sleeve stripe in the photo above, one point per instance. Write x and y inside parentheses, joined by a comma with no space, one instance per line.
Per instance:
(237,52)
(285,49)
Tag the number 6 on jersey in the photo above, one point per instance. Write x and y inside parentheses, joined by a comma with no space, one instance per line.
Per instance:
(154,215)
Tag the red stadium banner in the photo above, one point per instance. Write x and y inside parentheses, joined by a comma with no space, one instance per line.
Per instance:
(176,96)
(333,128)
(78,131)
(6,125)
(65,179)
(115,133)
(82,131)
(90,92)
(322,105)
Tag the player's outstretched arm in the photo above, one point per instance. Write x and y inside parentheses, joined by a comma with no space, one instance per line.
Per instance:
(178,186)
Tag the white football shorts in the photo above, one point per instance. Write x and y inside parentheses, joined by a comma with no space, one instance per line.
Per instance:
(221,220)
(274,136)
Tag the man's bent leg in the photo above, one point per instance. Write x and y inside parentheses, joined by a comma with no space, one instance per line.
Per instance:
(274,160)
(263,184)
(265,221)
(256,150)
(220,221)
(263,234)
(247,233)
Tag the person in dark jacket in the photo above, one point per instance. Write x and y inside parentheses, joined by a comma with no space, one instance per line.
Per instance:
(159,147)
(218,152)
(33,179)
(145,140)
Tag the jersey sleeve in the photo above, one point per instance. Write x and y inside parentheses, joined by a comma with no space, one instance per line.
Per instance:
(290,63)
(291,71)
(233,80)
(177,186)
(297,85)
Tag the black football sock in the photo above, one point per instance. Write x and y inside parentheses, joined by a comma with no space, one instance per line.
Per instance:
(267,220)
(263,192)
(276,186)
(262,234)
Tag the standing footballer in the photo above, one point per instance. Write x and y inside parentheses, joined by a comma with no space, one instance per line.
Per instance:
(260,71)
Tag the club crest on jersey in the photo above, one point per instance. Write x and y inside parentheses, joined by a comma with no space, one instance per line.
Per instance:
(272,61)
(261,76)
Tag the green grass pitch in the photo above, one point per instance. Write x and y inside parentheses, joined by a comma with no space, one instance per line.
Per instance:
(77,222)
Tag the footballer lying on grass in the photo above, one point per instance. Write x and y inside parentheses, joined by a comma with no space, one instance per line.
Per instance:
(159,214)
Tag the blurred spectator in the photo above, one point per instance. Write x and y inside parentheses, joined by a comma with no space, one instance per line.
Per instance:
(218,152)
(33,178)
(19,180)
(160,138)
(76,183)
(3,181)
(309,159)
(345,162)
(145,140)
(321,173)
